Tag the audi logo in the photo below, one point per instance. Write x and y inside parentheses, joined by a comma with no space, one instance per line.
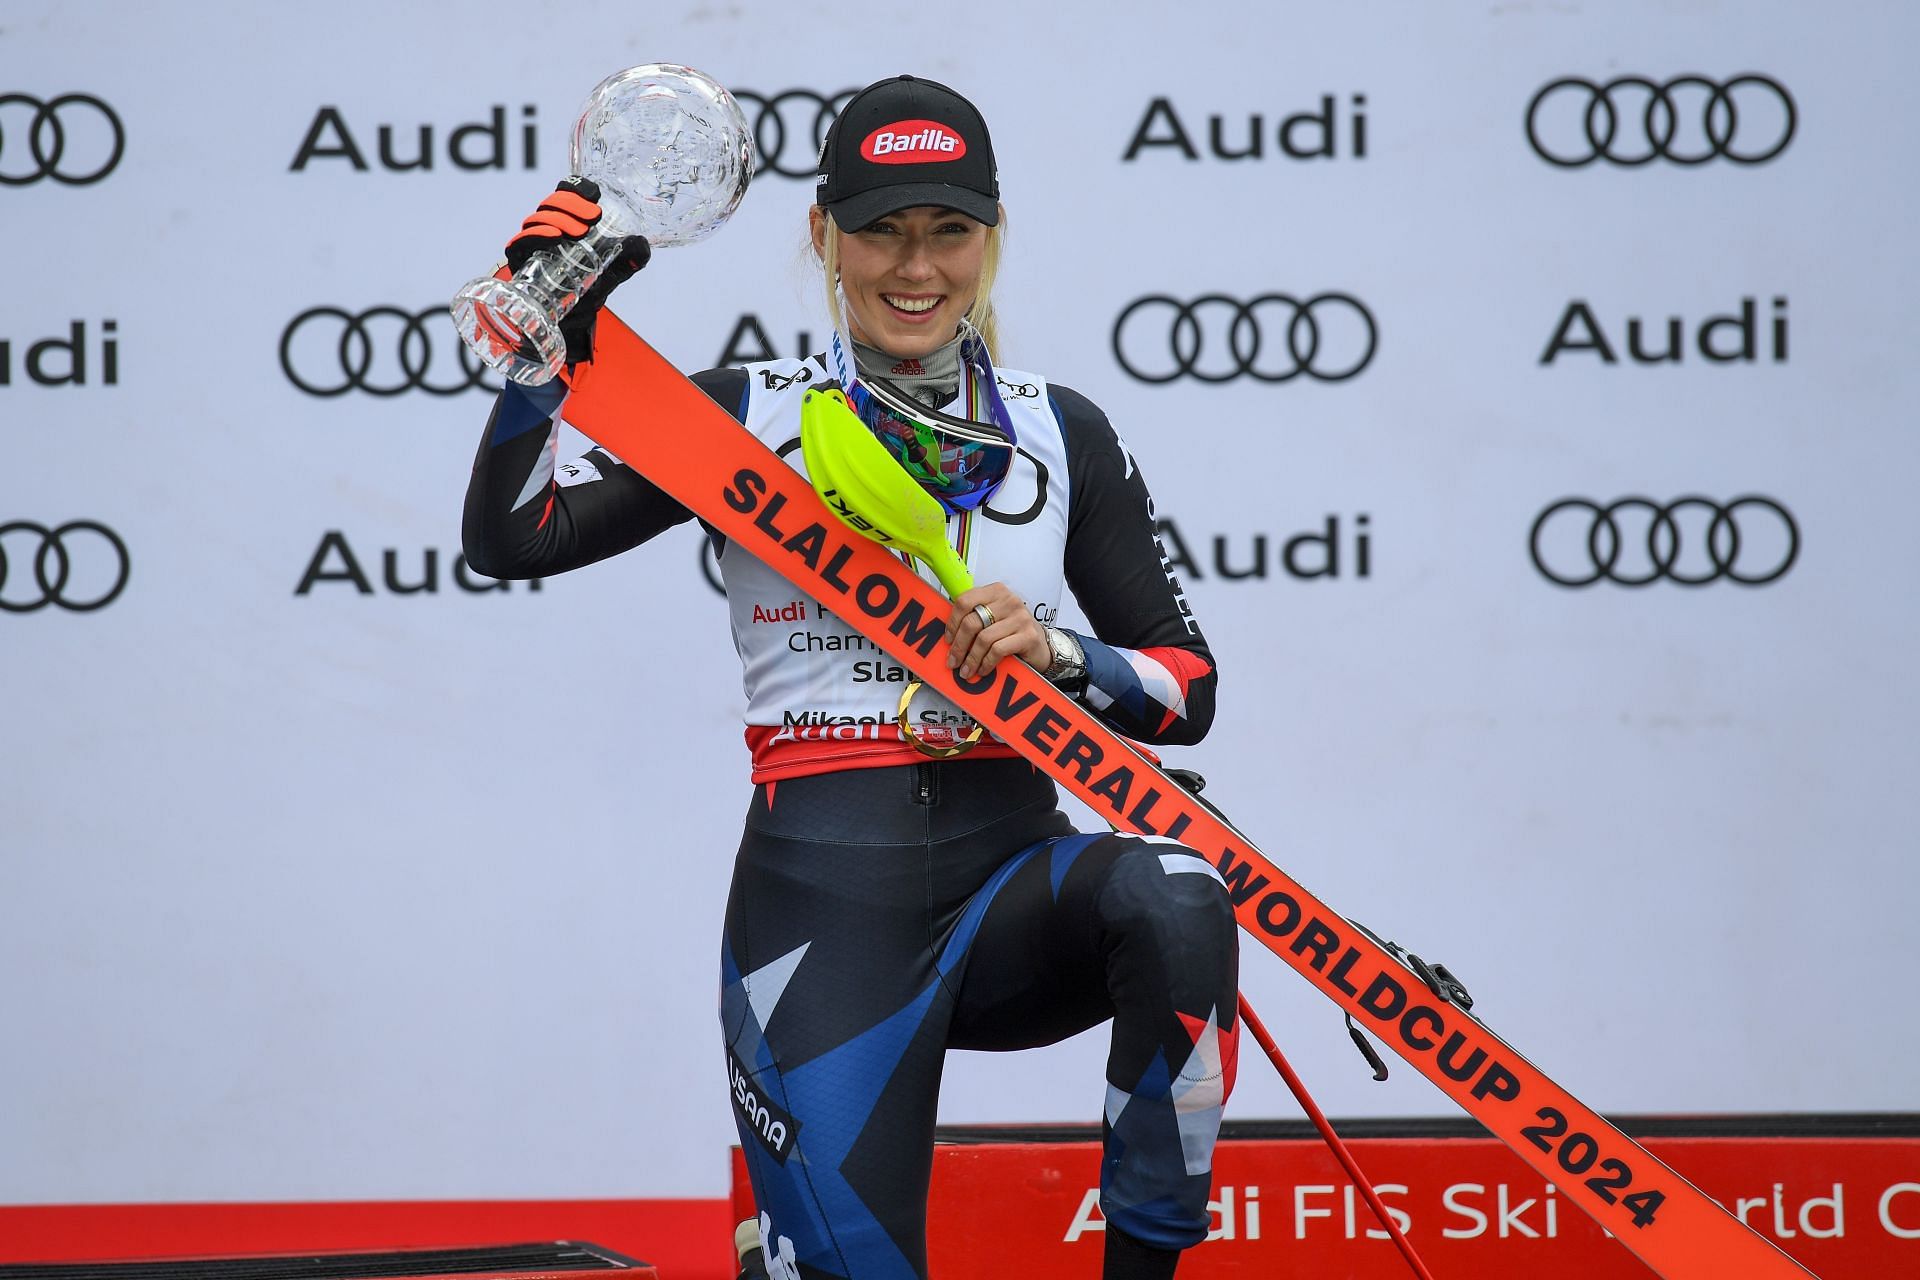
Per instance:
(1631,120)
(44,128)
(39,566)
(1215,338)
(790,127)
(1690,541)
(383,351)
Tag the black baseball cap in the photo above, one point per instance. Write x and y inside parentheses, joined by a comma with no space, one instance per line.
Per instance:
(906,142)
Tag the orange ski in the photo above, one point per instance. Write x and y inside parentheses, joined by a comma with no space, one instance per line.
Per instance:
(715,468)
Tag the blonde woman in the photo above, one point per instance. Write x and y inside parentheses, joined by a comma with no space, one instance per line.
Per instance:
(895,894)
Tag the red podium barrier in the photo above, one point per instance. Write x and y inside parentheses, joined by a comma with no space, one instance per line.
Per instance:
(559,1260)
(1839,1193)
(683,1239)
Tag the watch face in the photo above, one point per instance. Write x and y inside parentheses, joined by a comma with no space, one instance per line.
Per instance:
(1069,662)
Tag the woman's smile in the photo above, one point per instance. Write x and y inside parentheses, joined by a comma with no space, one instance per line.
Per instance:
(910,277)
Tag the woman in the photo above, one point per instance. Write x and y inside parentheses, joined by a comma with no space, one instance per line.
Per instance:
(887,907)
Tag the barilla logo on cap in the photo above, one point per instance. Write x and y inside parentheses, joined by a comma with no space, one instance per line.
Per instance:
(913,142)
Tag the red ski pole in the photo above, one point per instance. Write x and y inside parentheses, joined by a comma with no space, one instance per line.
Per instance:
(1340,1151)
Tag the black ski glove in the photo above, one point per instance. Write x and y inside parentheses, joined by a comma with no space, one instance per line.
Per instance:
(568,214)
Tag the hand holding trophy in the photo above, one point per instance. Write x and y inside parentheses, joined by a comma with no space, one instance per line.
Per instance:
(672,155)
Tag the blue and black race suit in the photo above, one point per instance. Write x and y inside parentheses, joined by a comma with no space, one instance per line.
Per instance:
(885,908)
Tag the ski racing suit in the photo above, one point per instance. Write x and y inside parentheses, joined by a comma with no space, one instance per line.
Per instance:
(886,907)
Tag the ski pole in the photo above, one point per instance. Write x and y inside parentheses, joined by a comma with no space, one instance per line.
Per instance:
(1340,1151)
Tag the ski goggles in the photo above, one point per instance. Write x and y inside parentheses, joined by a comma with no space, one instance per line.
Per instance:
(957,460)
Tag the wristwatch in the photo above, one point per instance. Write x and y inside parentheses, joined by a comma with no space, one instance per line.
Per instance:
(1068,672)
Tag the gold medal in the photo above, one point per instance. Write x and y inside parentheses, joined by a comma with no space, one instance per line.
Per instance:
(941,741)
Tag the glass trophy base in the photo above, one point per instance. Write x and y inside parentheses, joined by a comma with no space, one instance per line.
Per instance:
(511,332)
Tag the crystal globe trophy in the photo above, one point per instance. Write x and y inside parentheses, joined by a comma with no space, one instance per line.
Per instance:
(672,154)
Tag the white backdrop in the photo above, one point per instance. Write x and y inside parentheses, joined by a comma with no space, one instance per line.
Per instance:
(345,894)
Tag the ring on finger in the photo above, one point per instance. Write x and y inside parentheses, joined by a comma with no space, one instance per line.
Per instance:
(986,615)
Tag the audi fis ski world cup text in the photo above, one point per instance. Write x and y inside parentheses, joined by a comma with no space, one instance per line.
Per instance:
(1499,1210)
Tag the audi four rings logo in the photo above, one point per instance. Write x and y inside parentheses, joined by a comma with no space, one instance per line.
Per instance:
(74,138)
(1690,541)
(790,127)
(1215,338)
(1631,120)
(383,351)
(80,566)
